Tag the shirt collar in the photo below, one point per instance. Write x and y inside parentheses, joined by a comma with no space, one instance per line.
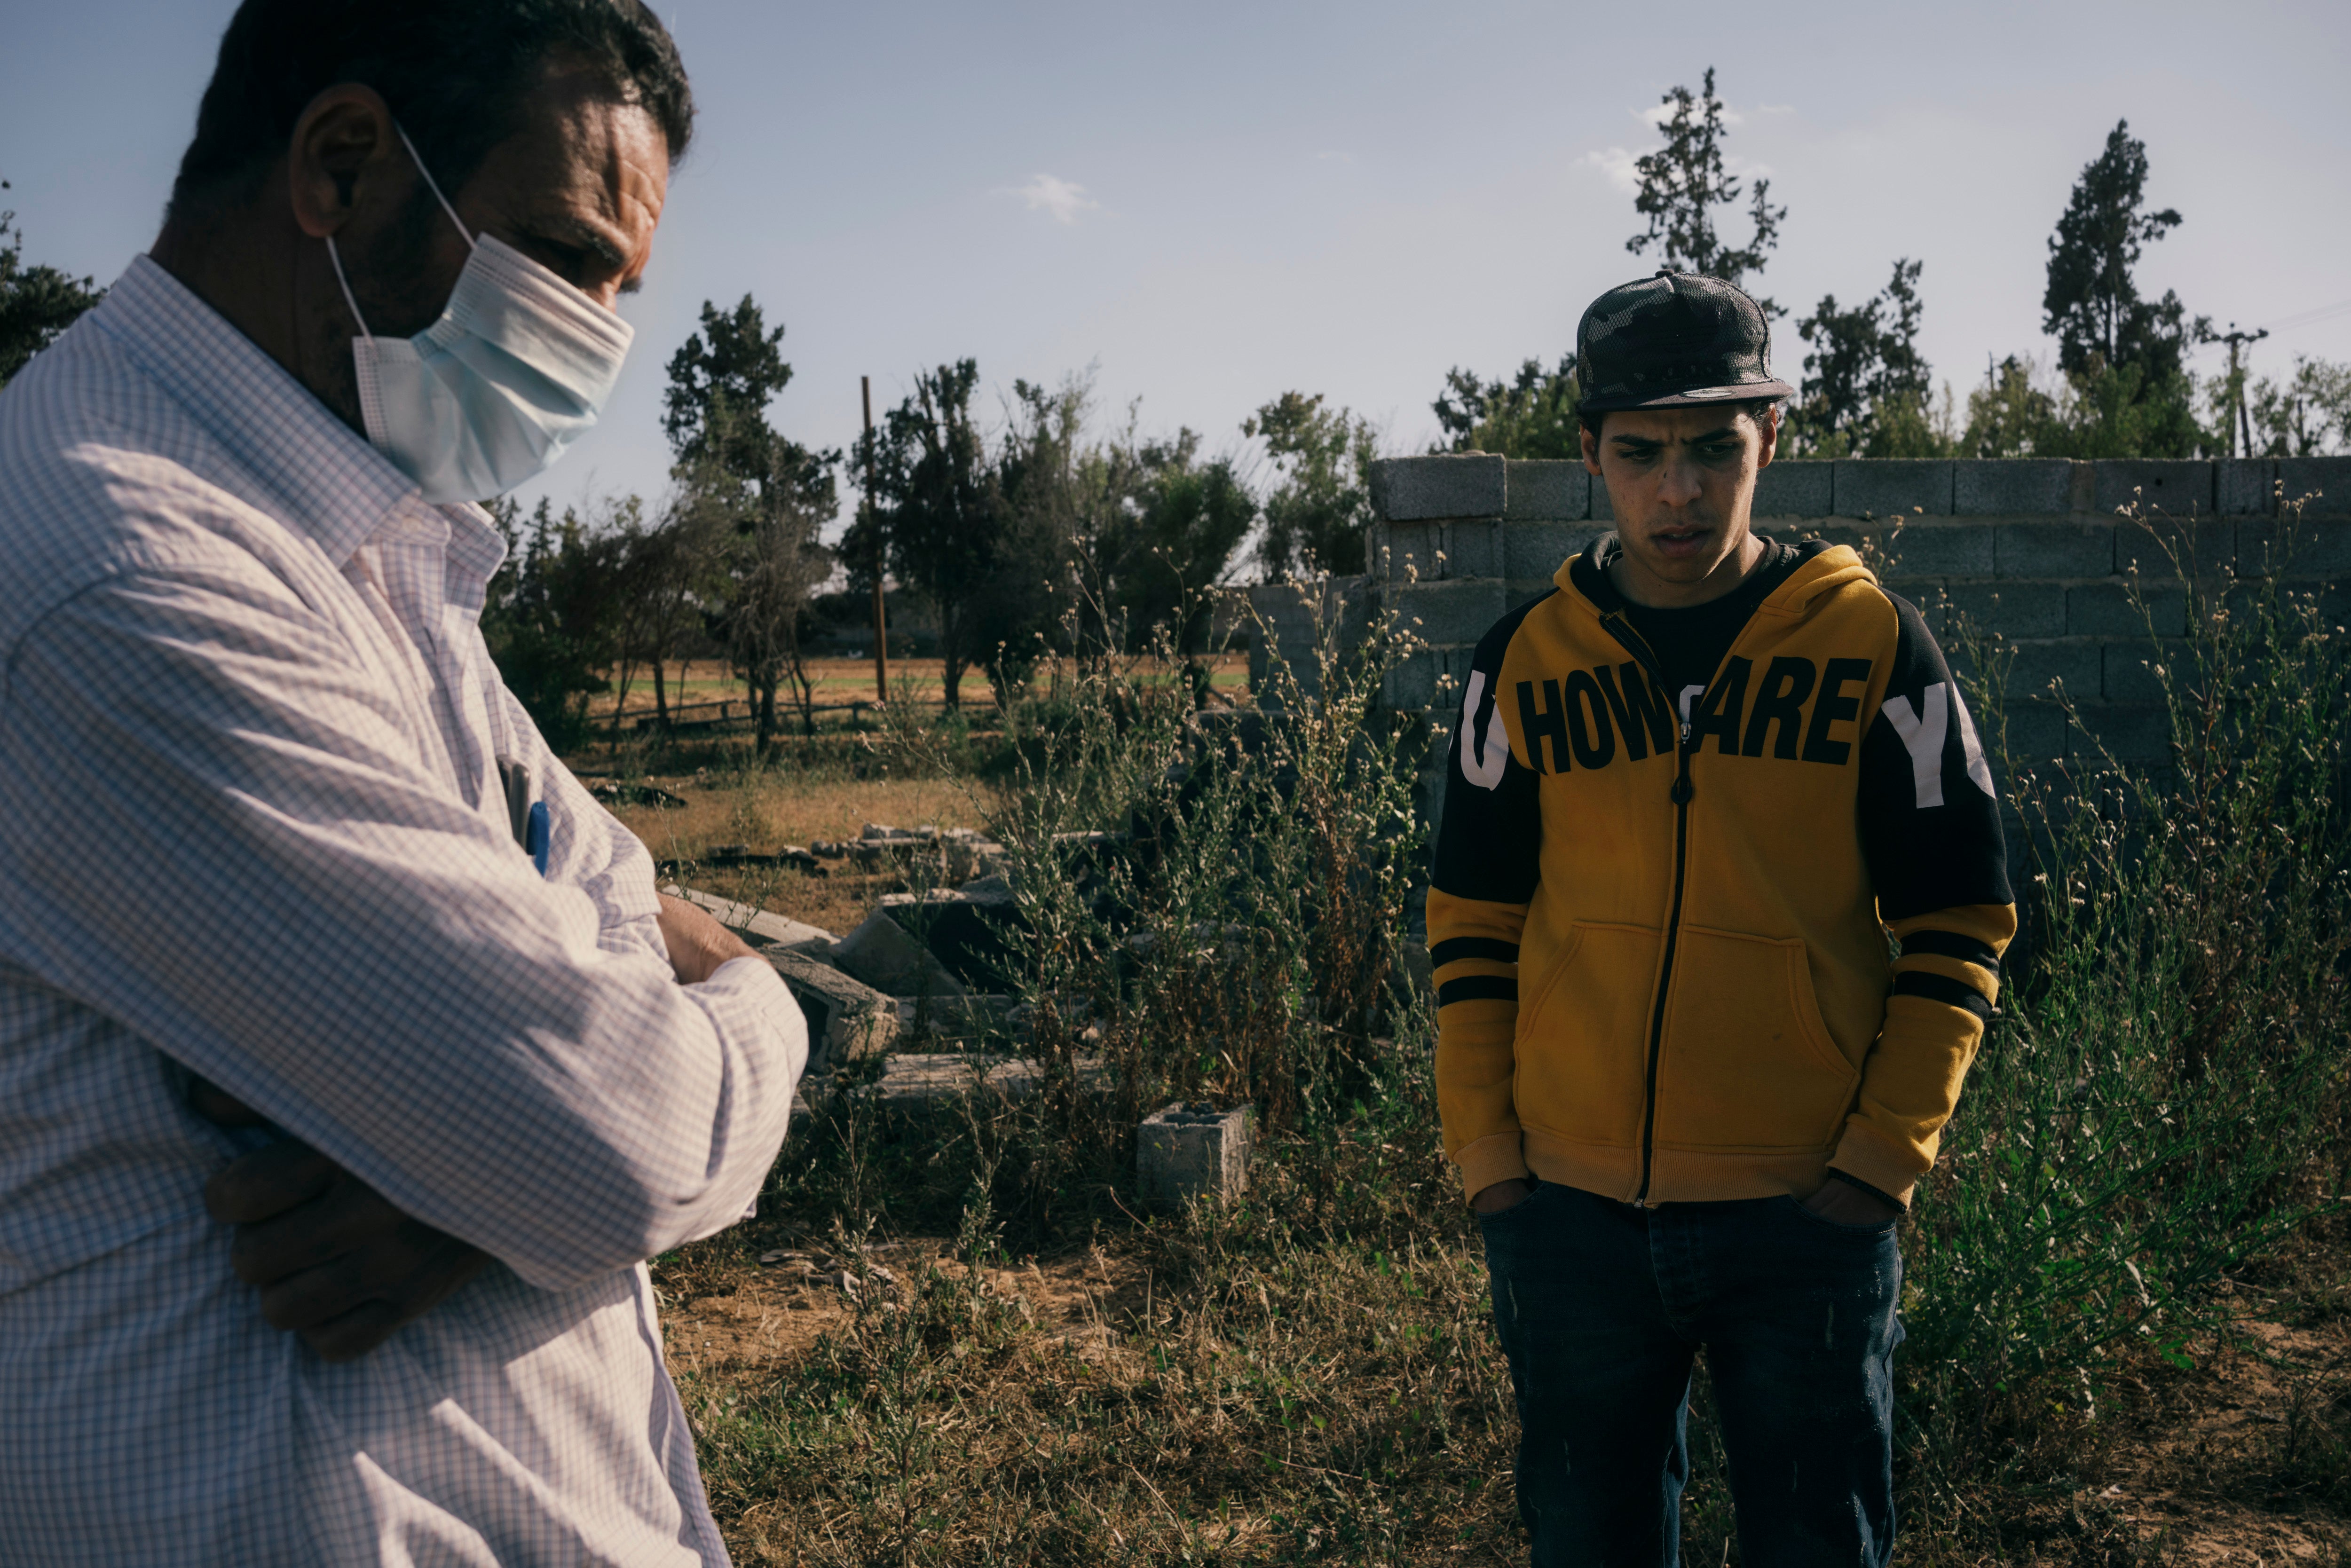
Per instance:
(331,484)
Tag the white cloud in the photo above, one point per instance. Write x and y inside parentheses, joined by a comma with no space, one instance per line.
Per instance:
(1616,165)
(1051,193)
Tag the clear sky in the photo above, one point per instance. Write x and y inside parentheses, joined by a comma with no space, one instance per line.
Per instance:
(1215,203)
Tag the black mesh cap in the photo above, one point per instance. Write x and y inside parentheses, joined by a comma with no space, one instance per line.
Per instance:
(1676,338)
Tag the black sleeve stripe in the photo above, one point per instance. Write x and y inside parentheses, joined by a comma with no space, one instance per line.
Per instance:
(1951,945)
(1457,947)
(1913,983)
(1480,987)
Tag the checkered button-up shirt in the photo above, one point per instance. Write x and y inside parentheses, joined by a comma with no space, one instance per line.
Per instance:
(252,826)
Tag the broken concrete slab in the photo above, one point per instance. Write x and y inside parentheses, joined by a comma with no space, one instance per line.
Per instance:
(909,1080)
(1192,1151)
(847,1020)
(966,930)
(885,955)
(763,924)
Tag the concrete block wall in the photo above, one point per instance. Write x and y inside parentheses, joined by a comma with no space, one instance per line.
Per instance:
(2031,549)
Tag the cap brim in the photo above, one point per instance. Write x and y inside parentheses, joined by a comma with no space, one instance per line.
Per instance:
(1692,397)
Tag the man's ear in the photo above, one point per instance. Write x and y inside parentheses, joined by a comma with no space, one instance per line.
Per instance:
(345,157)
(1591,448)
(1768,423)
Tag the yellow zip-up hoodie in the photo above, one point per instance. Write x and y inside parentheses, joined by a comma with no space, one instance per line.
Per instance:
(1661,949)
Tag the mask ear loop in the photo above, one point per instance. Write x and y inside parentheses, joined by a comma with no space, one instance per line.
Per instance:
(430,185)
(345,282)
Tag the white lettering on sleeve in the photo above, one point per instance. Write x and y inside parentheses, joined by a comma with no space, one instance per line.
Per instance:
(1922,737)
(1978,770)
(1482,766)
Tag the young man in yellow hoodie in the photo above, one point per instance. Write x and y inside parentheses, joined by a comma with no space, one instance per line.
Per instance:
(1700,791)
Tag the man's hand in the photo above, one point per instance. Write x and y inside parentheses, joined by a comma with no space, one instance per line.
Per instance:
(335,1262)
(1502,1195)
(697,944)
(1842,1203)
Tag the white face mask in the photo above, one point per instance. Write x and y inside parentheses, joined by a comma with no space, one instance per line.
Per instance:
(517,365)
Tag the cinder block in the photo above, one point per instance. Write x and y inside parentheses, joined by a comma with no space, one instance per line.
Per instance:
(2130,668)
(1407,489)
(1457,611)
(2011,486)
(2176,487)
(2322,483)
(2128,732)
(1949,548)
(2078,663)
(1411,682)
(2105,610)
(2036,732)
(1192,1152)
(2056,549)
(2012,609)
(1532,550)
(2165,546)
(1882,487)
(1392,547)
(847,1020)
(1546,491)
(1520,589)
(1792,489)
(2313,547)
(2248,487)
(1473,547)
(1603,511)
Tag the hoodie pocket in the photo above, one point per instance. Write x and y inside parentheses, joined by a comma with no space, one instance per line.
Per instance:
(1746,1062)
(1582,1040)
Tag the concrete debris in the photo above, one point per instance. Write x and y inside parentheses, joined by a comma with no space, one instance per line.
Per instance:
(963,928)
(882,955)
(1192,1151)
(848,1020)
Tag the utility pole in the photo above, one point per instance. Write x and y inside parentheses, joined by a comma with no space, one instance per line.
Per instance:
(874,528)
(2236,342)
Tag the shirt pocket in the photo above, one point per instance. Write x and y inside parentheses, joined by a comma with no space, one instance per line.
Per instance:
(1747,1064)
(1583,1038)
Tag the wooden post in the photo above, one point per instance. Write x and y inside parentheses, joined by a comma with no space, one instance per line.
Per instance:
(873,523)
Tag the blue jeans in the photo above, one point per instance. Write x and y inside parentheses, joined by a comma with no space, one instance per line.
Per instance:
(1602,1306)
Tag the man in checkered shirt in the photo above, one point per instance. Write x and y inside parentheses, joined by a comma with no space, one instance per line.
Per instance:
(334,1131)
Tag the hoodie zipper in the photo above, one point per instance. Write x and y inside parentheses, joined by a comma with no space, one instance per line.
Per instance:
(1639,646)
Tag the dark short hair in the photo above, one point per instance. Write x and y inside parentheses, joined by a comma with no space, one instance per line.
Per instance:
(1752,407)
(454,72)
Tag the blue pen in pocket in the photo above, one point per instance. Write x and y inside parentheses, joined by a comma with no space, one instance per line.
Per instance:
(535,836)
(533,828)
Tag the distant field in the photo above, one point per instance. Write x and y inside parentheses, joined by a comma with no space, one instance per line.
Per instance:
(838,682)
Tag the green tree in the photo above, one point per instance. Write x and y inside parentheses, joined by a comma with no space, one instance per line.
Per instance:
(2306,416)
(763,494)
(2092,305)
(548,617)
(1532,415)
(37,303)
(1681,184)
(1321,500)
(1865,385)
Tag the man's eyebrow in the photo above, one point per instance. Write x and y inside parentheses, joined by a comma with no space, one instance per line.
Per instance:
(563,229)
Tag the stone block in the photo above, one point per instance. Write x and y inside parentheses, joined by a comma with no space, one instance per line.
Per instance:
(2164,549)
(745,920)
(2322,483)
(2105,610)
(2076,663)
(2056,549)
(2247,486)
(1411,683)
(2012,609)
(1407,489)
(848,1020)
(1603,511)
(1885,487)
(2036,732)
(1183,1151)
(2011,486)
(1473,547)
(1794,488)
(2314,548)
(1547,491)
(1949,548)
(964,928)
(2127,732)
(2130,668)
(2176,487)
(1532,550)
(1519,590)
(884,954)
(1443,613)
(1390,547)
